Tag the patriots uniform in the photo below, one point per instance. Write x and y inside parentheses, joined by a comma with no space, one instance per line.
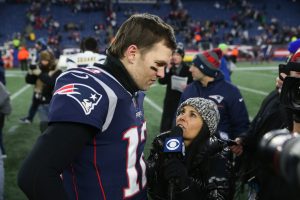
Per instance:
(112,166)
(85,59)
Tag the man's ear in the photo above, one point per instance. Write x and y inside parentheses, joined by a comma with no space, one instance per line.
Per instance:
(131,53)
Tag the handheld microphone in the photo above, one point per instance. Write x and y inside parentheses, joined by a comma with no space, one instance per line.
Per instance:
(174,148)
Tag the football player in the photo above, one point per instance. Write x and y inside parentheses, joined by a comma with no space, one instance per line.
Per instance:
(97,130)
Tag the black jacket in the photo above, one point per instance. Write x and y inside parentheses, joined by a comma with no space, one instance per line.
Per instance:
(172,97)
(206,181)
(272,115)
(46,82)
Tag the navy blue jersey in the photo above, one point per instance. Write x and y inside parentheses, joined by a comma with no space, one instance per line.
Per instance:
(112,166)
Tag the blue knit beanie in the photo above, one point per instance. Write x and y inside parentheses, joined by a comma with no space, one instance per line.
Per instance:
(208,62)
(294,46)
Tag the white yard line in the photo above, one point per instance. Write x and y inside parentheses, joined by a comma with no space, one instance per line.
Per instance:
(253,90)
(153,104)
(13,128)
(255,68)
(19,92)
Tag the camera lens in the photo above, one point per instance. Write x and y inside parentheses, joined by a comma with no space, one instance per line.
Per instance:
(290,161)
(295,95)
(271,146)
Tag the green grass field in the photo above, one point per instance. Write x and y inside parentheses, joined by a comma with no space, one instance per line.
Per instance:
(254,84)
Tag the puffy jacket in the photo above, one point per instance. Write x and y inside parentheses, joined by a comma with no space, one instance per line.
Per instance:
(202,160)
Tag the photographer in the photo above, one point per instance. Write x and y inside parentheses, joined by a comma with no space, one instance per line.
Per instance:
(263,180)
(196,174)
(43,78)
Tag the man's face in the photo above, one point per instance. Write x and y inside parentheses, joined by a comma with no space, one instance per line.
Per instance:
(196,73)
(149,66)
(176,58)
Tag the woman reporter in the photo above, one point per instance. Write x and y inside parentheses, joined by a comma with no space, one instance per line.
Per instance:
(197,174)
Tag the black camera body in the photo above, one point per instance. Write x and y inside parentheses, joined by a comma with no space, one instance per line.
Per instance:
(290,92)
(281,150)
(33,66)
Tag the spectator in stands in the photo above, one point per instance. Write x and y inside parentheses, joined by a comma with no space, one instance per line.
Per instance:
(88,56)
(177,76)
(23,56)
(195,175)
(43,78)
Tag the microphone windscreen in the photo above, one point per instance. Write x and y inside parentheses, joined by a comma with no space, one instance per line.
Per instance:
(176,131)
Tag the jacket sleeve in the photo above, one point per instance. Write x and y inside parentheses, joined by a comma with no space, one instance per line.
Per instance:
(39,176)
(30,78)
(239,118)
(49,80)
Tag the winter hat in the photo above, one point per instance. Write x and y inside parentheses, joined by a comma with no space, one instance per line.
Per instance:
(180,49)
(46,55)
(208,62)
(294,46)
(207,109)
(295,57)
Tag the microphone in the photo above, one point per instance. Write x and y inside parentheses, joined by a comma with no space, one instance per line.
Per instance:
(174,148)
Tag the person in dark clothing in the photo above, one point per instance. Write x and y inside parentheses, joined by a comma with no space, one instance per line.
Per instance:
(177,76)
(263,179)
(196,175)
(2,71)
(5,109)
(43,78)
(40,46)
(93,146)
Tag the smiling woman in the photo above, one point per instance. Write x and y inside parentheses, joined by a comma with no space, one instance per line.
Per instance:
(194,174)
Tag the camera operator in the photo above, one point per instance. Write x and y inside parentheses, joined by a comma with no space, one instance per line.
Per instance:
(262,179)
(43,78)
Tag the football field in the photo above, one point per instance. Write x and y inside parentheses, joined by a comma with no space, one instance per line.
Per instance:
(254,82)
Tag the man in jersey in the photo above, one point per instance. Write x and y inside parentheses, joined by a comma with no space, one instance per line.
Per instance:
(88,56)
(96,134)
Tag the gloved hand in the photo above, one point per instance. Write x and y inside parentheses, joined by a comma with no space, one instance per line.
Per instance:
(175,170)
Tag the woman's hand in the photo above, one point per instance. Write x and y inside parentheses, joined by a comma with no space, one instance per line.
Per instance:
(237,149)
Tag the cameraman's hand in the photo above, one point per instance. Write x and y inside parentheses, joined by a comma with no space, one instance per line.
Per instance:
(175,169)
(36,71)
(237,149)
(279,81)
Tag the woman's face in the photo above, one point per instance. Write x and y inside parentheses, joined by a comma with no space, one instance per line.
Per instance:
(191,123)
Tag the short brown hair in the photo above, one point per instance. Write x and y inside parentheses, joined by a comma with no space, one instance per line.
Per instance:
(143,30)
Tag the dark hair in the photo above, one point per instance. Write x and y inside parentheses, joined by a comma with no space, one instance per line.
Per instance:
(142,30)
(89,44)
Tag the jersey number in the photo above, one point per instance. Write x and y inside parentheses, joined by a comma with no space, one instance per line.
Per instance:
(132,136)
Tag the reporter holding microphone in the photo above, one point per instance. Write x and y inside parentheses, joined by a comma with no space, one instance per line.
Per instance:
(183,161)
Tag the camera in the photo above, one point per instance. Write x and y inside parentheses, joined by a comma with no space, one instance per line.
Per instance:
(32,66)
(281,150)
(290,92)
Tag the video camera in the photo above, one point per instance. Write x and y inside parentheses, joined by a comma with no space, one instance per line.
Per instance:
(290,92)
(281,150)
(33,66)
